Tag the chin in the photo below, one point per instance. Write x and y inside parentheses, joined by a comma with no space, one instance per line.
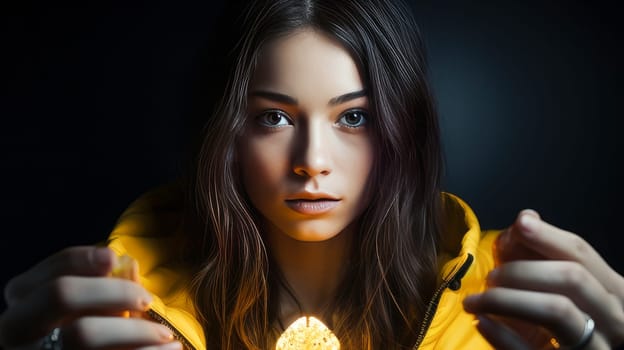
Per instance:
(313,234)
(312,237)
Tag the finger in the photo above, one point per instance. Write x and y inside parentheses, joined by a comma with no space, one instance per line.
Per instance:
(76,261)
(114,332)
(174,345)
(66,298)
(509,247)
(555,312)
(562,277)
(499,335)
(558,244)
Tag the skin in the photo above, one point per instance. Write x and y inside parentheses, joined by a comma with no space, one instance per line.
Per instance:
(313,144)
(544,275)
(545,281)
(312,148)
(72,288)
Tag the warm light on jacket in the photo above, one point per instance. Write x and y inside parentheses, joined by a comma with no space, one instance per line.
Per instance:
(148,231)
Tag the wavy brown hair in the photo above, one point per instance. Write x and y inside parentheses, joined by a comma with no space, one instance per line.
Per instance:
(393,273)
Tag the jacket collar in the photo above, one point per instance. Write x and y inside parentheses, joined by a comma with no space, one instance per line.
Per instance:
(461,237)
(149,232)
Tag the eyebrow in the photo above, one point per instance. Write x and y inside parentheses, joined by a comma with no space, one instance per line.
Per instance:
(282,98)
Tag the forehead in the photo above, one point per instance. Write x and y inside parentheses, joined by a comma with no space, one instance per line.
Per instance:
(306,62)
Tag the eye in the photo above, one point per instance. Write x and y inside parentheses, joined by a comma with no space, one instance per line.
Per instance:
(353,119)
(273,119)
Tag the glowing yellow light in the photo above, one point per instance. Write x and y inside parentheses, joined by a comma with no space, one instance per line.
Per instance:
(307,333)
(125,267)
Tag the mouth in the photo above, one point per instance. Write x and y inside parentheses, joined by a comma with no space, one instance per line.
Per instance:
(312,206)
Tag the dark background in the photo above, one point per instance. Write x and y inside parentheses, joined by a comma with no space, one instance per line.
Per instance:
(94,99)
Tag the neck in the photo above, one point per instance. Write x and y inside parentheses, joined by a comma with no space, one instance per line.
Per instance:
(313,271)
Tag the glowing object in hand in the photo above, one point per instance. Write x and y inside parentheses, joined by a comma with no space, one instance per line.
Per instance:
(125,267)
(307,333)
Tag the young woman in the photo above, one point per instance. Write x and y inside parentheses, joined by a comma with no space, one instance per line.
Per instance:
(316,192)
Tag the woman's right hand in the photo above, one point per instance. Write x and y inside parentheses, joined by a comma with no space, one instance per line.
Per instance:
(73,289)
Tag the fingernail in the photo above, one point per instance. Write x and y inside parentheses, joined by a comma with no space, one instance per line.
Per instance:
(171,346)
(145,302)
(165,333)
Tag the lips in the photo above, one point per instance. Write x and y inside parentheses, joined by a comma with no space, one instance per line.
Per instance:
(312,206)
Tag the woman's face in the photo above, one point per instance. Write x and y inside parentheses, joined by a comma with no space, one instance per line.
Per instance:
(306,155)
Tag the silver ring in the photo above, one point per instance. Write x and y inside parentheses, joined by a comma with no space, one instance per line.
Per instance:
(588,332)
(53,341)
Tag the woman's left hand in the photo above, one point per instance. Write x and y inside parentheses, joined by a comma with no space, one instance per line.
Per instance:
(547,288)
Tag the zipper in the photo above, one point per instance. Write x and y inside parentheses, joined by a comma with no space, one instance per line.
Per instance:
(176,334)
(454,283)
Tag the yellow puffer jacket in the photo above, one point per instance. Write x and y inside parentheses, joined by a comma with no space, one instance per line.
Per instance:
(148,231)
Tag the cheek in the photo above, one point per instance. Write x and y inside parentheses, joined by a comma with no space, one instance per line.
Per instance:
(262,164)
(367,159)
(357,161)
(365,180)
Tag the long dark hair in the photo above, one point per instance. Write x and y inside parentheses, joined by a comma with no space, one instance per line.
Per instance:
(383,299)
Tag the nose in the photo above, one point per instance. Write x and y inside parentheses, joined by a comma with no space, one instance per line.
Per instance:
(312,151)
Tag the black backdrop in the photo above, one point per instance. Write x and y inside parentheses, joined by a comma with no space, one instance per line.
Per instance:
(94,99)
